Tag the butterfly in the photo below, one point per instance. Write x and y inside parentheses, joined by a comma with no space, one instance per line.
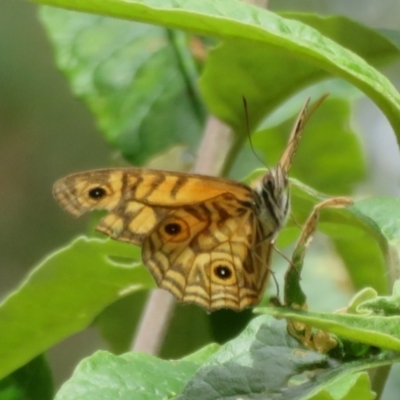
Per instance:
(207,240)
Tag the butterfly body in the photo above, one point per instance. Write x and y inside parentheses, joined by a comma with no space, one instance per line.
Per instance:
(207,240)
(274,202)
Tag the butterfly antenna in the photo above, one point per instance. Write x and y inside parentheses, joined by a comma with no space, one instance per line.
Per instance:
(295,221)
(247,119)
(282,255)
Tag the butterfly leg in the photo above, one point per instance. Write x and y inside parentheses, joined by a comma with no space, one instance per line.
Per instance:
(293,294)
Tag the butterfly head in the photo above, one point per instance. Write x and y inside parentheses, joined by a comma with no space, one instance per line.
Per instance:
(274,204)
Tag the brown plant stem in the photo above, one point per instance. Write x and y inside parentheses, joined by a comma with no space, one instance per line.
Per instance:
(216,151)
(214,148)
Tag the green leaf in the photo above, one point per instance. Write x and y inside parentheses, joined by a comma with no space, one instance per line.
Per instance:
(105,376)
(64,294)
(263,87)
(373,321)
(33,381)
(137,79)
(374,45)
(386,305)
(262,362)
(362,245)
(202,355)
(265,362)
(385,213)
(378,331)
(250,32)
(365,261)
(248,364)
(381,215)
(356,386)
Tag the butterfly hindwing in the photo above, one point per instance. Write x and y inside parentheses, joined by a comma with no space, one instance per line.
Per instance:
(206,253)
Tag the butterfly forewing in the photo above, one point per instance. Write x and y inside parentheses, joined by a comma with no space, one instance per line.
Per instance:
(138,198)
(77,192)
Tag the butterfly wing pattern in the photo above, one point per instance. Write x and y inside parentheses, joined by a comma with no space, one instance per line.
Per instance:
(207,240)
(198,233)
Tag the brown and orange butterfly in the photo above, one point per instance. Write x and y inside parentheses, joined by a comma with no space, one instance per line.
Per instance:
(206,240)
